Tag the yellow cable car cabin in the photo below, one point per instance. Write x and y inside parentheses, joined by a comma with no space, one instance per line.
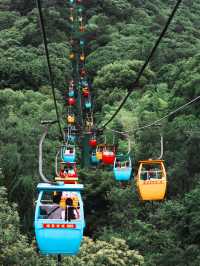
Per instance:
(151,180)
(82,57)
(71,119)
(99,151)
(89,124)
(71,56)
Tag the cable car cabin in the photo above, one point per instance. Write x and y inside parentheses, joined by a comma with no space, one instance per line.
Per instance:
(93,142)
(99,151)
(88,104)
(71,83)
(84,83)
(71,138)
(82,28)
(151,180)
(81,42)
(82,57)
(89,124)
(94,159)
(82,72)
(59,219)
(108,154)
(71,93)
(70,134)
(71,119)
(68,173)
(71,56)
(71,101)
(68,154)
(85,92)
(122,168)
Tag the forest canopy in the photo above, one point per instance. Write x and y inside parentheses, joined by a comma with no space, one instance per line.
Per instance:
(120,230)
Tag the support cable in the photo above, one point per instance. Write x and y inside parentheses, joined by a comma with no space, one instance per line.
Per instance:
(38,3)
(136,82)
(160,119)
(170,114)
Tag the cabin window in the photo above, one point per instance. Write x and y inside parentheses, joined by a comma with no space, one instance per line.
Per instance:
(63,205)
(151,171)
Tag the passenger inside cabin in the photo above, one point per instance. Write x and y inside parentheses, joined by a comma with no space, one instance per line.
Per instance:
(67,151)
(153,171)
(65,172)
(69,210)
(71,171)
(150,173)
(118,163)
(52,211)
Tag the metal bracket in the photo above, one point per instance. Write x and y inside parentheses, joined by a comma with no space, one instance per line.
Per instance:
(161,147)
(56,162)
(46,128)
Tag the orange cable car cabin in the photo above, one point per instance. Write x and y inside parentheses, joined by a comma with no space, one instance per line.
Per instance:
(99,151)
(71,56)
(71,119)
(85,92)
(151,180)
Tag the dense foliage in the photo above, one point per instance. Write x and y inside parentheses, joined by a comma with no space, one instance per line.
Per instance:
(120,229)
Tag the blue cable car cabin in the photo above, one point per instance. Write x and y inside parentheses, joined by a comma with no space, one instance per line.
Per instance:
(58,224)
(88,104)
(83,82)
(94,159)
(71,93)
(68,153)
(72,138)
(122,168)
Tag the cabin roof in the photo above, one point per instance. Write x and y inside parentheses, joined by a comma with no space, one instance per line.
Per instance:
(59,186)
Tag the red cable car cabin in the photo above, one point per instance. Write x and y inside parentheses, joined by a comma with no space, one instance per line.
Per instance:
(82,72)
(85,92)
(109,154)
(68,173)
(82,28)
(71,101)
(93,142)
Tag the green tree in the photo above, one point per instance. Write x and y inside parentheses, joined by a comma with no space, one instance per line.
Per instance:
(14,247)
(114,252)
(21,113)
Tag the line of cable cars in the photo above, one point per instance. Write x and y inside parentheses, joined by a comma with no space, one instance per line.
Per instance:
(106,153)
(59,216)
(151,177)
(59,224)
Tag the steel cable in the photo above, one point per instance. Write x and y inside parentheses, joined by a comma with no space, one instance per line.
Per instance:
(136,82)
(38,3)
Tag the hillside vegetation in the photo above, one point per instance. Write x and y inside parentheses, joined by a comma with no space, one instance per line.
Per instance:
(120,229)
